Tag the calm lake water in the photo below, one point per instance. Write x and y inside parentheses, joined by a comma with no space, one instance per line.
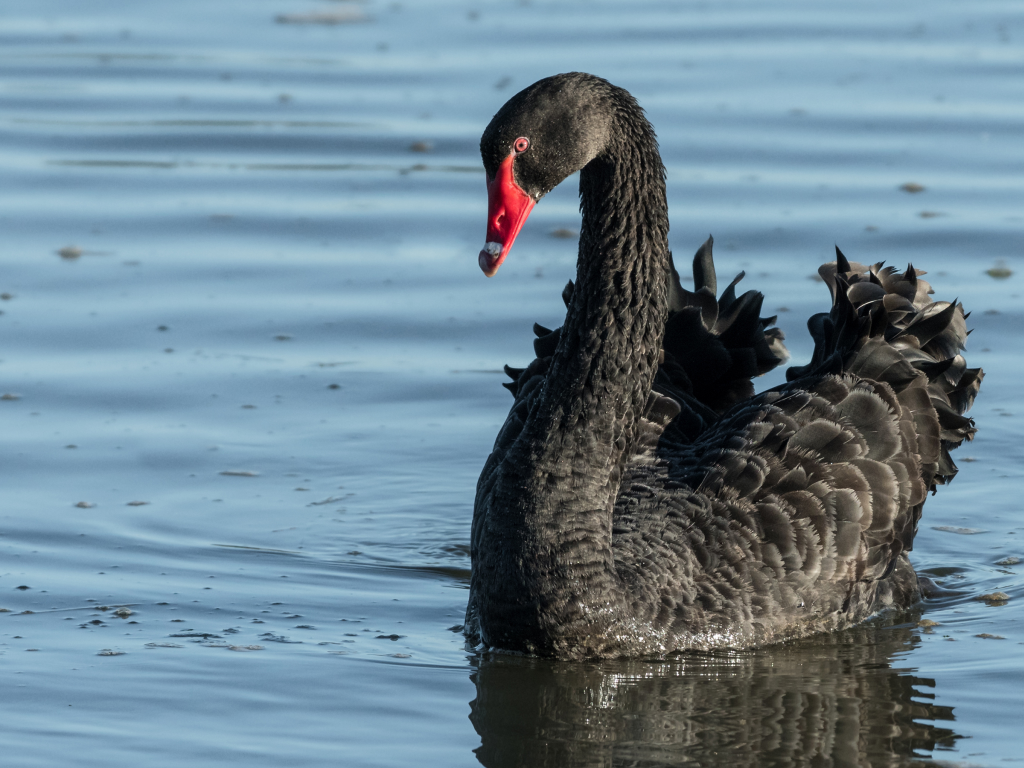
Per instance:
(249,370)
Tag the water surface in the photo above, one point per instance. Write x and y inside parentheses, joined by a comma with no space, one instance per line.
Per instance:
(251,370)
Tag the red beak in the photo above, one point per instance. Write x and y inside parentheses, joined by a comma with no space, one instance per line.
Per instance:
(507,208)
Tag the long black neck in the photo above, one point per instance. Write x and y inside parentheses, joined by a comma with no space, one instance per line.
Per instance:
(573,444)
(603,368)
(614,326)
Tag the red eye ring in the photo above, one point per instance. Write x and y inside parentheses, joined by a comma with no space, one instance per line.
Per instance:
(522,144)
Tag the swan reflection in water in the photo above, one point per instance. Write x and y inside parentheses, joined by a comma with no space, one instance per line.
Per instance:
(833,700)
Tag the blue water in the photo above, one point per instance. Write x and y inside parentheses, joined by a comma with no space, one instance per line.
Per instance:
(250,401)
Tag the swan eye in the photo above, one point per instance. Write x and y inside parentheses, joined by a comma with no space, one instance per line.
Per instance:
(522,144)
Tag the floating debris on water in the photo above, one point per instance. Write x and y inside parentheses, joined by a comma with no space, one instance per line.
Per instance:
(564,233)
(1011,560)
(994,598)
(85,505)
(70,252)
(930,214)
(912,187)
(999,272)
(240,472)
(109,652)
(330,18)
(328,500)
(272,638)
(123,613)
(955,529)
(420,146)
(987,636)
(927,623)
(245,647)
(10,396)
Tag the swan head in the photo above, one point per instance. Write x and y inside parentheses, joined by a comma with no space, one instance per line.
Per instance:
(542,135)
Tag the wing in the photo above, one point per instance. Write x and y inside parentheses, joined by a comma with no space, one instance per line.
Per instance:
(800,502)
(883,326)
(713,348)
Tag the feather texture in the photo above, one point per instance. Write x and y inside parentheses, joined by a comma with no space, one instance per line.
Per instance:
(640,499)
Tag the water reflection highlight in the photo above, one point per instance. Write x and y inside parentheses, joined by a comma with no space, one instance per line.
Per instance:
(840,700)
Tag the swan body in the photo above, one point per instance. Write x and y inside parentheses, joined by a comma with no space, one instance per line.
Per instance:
(640,499)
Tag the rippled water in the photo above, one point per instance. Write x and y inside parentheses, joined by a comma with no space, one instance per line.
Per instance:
(251,370)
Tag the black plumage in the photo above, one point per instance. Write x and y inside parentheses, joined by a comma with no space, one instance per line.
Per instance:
(639,498)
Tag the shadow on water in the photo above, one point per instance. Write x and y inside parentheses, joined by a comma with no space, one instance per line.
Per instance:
(839,700)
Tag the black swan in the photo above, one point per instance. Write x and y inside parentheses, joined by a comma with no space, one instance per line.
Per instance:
(640,499)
